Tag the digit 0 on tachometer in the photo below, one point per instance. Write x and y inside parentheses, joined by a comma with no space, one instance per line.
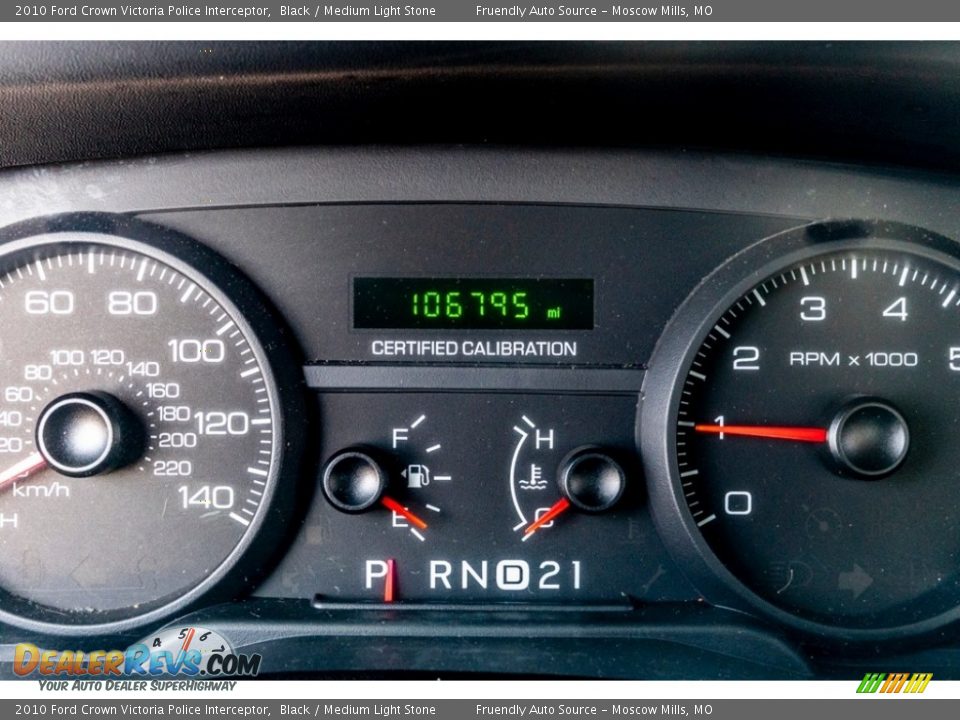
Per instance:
(808,432)
(141,428)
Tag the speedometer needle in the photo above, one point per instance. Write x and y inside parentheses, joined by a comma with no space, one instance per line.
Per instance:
(28,466)
(771,432)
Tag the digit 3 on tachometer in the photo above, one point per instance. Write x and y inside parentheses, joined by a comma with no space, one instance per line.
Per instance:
(140,431)
(811,429)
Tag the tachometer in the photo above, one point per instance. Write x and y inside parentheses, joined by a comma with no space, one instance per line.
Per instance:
(141,431)
(811,425)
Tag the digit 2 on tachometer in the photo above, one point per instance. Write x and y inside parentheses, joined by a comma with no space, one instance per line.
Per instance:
(811,429)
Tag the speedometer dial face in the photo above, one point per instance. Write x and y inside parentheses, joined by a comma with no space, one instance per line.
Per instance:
(138,429)
(816,437)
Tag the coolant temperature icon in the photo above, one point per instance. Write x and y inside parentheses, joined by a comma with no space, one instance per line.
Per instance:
(528,484)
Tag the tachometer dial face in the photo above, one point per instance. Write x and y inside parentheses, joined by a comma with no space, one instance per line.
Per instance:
(814,442)
(139,429)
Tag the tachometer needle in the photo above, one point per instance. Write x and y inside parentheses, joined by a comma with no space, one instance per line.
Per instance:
(399,509)
(770,432)
(558,507)
(22,470)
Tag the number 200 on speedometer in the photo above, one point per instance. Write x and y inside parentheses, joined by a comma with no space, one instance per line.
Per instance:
(139,429)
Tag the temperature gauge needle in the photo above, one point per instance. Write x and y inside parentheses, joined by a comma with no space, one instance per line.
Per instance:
(770,432)
(558,507)
(28,466)
(399,509)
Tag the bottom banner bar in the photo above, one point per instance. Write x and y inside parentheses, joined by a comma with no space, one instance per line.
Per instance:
(481,709)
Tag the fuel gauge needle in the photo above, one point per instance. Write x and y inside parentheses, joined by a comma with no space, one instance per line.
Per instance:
(558,507)
(769,432)
(399,509)
(22,470)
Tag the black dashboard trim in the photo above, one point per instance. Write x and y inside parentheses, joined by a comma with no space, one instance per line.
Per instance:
(392,174)
(68,101)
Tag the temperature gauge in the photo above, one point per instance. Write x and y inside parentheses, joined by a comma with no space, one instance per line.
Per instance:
(587,479)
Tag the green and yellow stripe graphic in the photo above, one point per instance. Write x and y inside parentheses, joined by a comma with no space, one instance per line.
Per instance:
(914,683)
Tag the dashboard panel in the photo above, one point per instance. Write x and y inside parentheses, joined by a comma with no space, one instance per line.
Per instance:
(396,411)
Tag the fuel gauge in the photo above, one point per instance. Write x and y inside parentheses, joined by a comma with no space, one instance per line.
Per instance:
(360,479)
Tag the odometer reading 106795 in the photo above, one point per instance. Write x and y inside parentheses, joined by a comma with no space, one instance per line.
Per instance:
(138,427)
(473,303)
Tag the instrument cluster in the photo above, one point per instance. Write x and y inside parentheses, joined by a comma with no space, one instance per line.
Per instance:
(456,410)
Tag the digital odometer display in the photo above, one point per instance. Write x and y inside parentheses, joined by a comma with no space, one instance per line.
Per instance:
(473,303)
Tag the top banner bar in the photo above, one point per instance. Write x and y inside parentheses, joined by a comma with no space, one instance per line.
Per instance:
(470,11)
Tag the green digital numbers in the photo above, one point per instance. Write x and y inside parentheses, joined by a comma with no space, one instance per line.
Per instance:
(452,308)
(466,303)
(481,303)
(521,309)
(452,305)
(431,304)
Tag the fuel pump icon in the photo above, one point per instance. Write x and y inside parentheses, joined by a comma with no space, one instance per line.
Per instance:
(418,476)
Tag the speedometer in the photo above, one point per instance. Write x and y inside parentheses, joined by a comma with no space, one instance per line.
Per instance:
(809,426)
(141,428)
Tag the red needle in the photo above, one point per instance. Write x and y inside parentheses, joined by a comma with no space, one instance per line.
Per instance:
(558,507)
(401,510)
(187,640)
(773,432)
(28,466)
(389,588)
